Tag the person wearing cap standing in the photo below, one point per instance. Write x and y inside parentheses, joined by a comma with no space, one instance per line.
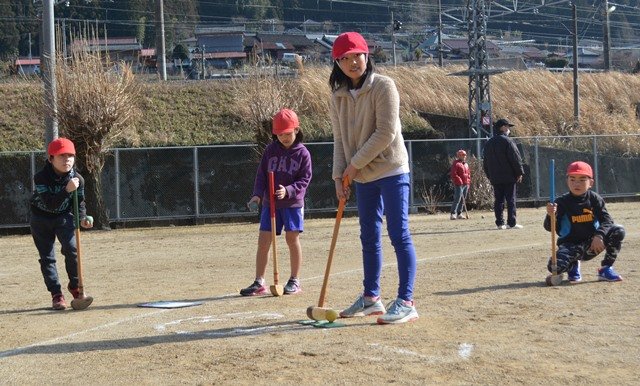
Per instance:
(584,227)
(52,216)
(502,164)
(461,179)
(290,162)
(369,152)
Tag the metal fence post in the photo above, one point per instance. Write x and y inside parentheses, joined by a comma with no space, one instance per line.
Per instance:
(411,197)
(537,163)
(117,182)
(196,182)
(595,163)
(33,171)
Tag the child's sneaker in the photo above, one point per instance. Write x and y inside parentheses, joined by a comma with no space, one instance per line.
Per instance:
(364,306)
(399,311)
(58,302)
(292,287)
(574,273)
(74,291)
(607,273)
(452,216)
(254,289)
(460,216)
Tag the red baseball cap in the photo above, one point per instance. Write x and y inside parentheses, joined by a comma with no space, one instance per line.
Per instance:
(61,146)
(579,168)
(349,43)
(285,121)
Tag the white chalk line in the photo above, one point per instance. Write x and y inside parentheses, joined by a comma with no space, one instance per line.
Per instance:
(161,327)
(78,333)
(464,352)
(129,319)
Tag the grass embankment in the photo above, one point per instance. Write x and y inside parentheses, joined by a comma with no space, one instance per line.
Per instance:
(210,112)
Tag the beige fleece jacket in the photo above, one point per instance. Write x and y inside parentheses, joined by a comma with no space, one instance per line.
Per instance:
(367,131)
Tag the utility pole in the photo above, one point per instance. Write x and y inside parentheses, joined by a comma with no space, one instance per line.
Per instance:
(64,40)
(161,54)
(30,57)
(576,95)
(440,58)
(48,61)
(203,74)
(393,39)
(606,32)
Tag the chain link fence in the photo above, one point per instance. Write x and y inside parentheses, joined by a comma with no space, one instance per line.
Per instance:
(217,181)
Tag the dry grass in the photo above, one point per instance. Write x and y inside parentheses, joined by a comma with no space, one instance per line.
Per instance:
(206,112)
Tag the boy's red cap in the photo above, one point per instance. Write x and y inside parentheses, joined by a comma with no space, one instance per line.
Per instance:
(61,146)
(285,121)
(579,168)
(349,43)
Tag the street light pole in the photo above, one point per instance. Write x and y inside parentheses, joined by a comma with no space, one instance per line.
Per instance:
(440,58)
(49,73)
(576,94)
(161,47)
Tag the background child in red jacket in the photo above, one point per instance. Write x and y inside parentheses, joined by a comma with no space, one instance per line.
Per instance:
(461,179)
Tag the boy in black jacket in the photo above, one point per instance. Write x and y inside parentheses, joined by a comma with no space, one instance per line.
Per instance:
(52,216)
(584,227)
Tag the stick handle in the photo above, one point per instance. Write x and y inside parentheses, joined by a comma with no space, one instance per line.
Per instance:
(76,220)
(552,196)
(272,209)
(332,248)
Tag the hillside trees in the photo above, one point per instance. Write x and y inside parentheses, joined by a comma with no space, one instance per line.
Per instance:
(9,36)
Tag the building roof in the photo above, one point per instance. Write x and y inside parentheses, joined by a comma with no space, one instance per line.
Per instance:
(28,62)
(296,40)
(228,42)
(462,45)
(117,44)
(217,30)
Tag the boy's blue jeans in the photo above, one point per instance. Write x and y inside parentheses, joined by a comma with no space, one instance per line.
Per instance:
(44,231)
(388,196)
(569,253)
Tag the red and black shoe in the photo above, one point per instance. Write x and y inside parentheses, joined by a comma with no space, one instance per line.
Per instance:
(57,302)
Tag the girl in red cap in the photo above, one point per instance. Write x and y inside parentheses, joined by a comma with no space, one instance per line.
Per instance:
(52,216)
(290,161)
(369,151)
(584,227)
(461,179)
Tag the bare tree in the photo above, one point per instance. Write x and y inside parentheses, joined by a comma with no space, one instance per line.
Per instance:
(97,106)
(261,95)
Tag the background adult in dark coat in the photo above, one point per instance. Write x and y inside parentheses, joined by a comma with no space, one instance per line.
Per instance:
(502,164)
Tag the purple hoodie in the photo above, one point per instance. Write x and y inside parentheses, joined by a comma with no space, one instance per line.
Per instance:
(292,169)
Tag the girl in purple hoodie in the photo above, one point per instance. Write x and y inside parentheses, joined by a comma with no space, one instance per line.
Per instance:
(290,161)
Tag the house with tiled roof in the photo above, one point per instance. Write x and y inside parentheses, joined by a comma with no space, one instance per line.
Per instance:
(125,49)
(220,47)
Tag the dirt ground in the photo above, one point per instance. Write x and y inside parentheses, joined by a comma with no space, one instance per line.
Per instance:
(486,316)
